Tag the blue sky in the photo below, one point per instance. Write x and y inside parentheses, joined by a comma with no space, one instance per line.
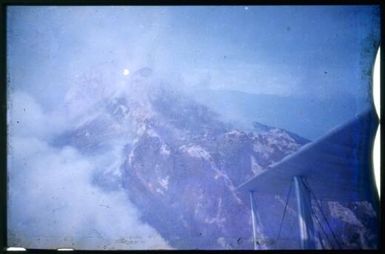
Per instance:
(292,51)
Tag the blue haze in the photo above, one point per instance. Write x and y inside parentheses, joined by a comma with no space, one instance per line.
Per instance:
(308,53)
(303,69)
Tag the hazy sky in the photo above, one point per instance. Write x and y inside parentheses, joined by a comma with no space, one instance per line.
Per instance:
(275,50)
(296,52)
(312,51)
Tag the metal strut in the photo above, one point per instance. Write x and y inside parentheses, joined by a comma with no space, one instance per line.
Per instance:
(305,220)
(252,205)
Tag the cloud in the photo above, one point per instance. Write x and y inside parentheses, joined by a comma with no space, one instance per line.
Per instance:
(52,202)
(27,118)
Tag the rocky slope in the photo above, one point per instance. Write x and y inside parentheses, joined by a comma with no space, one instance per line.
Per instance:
(180,165)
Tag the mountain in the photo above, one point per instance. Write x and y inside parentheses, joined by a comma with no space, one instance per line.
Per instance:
(180,164)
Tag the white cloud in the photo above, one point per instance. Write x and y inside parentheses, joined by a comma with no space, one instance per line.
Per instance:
(28,119)
(52,202)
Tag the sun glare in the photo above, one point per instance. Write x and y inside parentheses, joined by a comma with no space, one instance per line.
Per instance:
(126,72)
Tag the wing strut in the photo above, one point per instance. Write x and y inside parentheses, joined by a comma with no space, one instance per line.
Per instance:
(305,220)
(252,205)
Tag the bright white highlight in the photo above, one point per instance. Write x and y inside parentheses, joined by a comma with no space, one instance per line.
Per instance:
(377,144)
(16,249)
(126,72)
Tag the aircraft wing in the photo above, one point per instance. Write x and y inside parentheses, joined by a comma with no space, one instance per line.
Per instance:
(337,166)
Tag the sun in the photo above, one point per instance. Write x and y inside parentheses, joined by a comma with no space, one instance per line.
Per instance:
(126,72)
